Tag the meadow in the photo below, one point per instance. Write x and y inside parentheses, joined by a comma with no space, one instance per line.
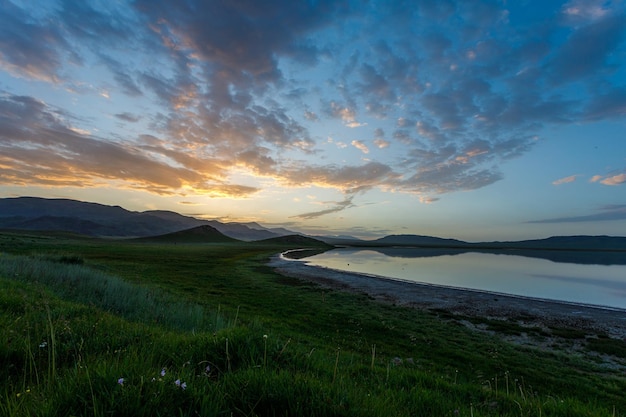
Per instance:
(97,327)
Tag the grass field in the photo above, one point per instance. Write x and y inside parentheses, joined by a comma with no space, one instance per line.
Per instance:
(96,327)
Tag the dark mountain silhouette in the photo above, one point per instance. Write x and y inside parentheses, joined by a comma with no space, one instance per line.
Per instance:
(199,234)
(80,226)
(340,240)
(567,243)
(417,240)
(243,232)
(297,240)
(92,219)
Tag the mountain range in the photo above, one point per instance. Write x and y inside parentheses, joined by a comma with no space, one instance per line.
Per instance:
(92,219)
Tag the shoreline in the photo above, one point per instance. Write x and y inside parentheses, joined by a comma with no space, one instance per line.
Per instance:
(462,302)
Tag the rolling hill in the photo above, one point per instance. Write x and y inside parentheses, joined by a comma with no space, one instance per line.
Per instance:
(98,220)
(296,240)
(198,234)
(92,219)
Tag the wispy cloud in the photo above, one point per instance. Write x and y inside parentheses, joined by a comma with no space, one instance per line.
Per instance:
(607,213)
(578,11)
(335,207)
(565,180)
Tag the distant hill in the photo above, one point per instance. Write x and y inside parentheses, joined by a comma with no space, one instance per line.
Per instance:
(92,219)
(56,223)
(403,240)
(295,239)
(98,220)
(199,234)
(242,231)
(603,243)
(563,243)
(340,240)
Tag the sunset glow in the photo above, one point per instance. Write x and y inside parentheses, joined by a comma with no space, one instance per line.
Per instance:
(478,120)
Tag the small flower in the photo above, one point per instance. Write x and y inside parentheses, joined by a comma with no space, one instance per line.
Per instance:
(183,386)
(163,372)
(177,382)
(120,381)
(43,344)
(264,336)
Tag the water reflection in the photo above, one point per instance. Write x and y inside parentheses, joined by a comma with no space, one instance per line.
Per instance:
(500,272)
(562,256)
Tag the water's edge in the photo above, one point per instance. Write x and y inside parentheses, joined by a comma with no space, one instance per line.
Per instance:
(299,266)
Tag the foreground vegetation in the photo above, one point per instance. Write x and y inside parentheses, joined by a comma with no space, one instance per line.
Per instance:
(100,327)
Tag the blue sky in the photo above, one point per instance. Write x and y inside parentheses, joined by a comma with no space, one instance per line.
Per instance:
(478,120)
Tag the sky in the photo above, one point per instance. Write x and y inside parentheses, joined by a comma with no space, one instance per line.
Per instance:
(473,119)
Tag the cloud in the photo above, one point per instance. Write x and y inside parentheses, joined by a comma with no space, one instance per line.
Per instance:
(123,77)
(381,143)
(39,147)
(242,39)
(445,107)
(565,180)
(617,179)
(349,179)
(612,212)
(84,21)
(360,145)
(606,106)
(374,83)
(587,49)
(28,48)
(345,113)
(259,86)
(337,207)
(428,200)
(128,117)
(309,115)
(379,139)
(614,180)
(577,11)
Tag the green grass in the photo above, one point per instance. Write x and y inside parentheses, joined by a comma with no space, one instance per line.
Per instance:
(79,314)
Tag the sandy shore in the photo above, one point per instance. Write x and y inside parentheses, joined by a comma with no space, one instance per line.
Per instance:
(528,311)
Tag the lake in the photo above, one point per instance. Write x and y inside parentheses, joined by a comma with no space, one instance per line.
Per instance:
(588,283)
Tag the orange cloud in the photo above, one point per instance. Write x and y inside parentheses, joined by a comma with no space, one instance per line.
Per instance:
(617,179)
(614,180)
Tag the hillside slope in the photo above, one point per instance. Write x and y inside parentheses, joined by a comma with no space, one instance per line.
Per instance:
(199,234)
(92,219)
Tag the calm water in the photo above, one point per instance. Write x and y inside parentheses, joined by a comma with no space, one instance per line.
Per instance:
(603,285)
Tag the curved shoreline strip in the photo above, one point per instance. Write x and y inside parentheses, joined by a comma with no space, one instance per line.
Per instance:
(467,302)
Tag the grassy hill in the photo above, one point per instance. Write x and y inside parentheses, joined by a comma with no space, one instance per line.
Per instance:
(32,213)
(154,328)
(294,241)
(199,234)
